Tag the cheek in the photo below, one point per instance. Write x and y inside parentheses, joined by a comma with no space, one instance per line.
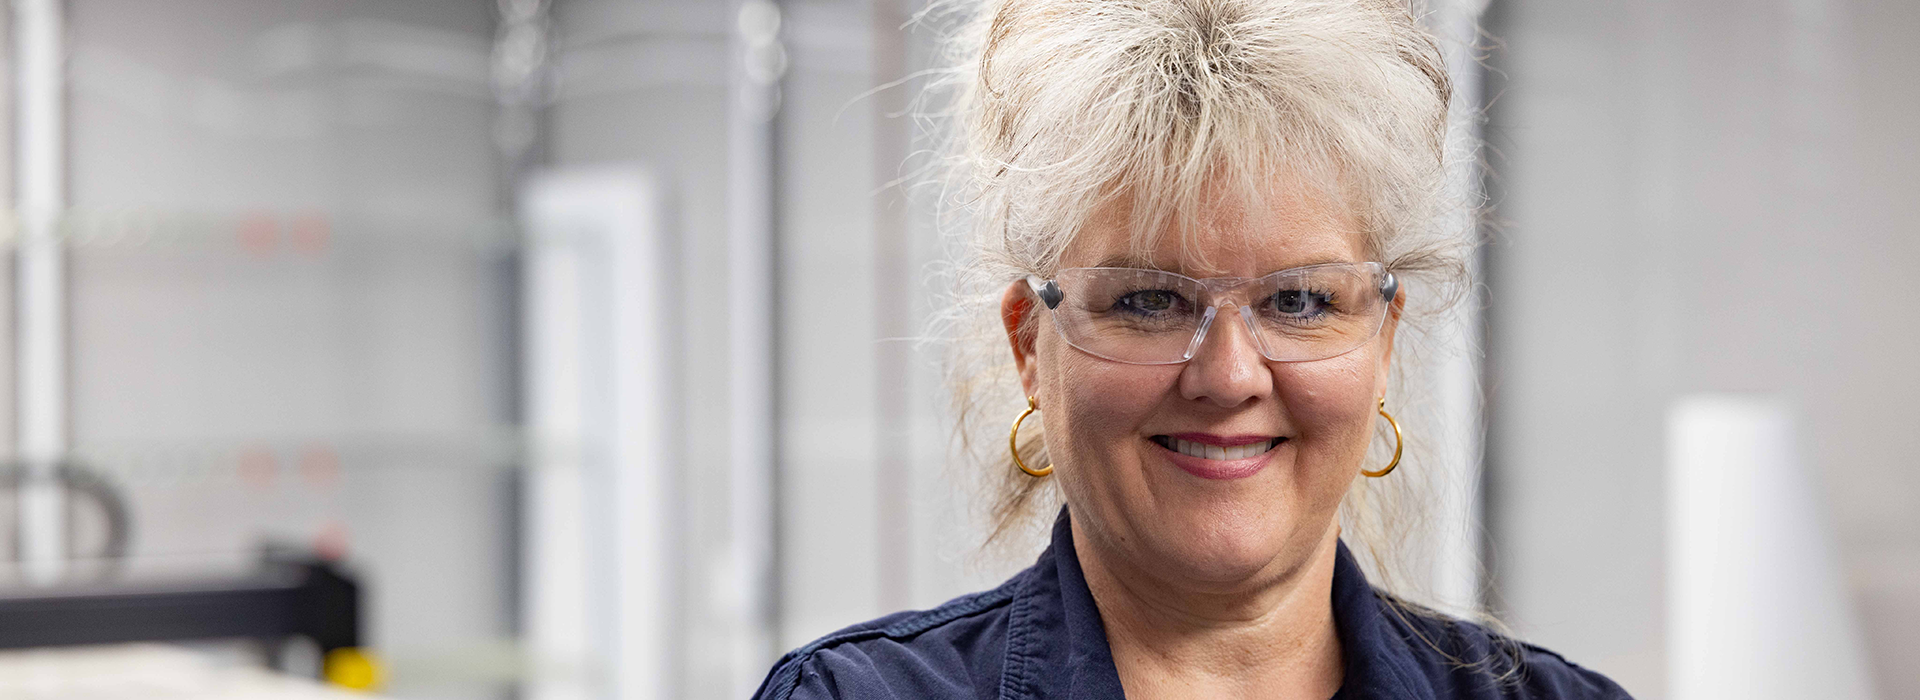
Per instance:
(1097,405)
(1331,403)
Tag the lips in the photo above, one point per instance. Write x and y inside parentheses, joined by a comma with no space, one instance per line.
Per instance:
(1217,457)
(1204,450)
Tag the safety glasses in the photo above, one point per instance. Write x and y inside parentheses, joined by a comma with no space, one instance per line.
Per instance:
(1154,317)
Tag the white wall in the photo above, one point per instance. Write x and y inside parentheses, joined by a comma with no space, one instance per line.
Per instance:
(844,359)
(1702,196)
(646,82)
(290,317)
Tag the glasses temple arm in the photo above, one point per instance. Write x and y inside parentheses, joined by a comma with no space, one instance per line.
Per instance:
(1048,292)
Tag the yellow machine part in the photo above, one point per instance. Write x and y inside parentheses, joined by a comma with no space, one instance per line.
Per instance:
(353,668)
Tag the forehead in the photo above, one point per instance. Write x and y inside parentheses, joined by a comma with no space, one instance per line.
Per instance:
(1289,226)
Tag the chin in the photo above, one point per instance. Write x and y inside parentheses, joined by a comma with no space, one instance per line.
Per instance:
(1227,546)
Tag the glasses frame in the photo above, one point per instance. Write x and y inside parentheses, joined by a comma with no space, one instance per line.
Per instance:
(1049,294)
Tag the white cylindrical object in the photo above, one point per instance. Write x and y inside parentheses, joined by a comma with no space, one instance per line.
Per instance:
(40,359)
(1454,547)
(1756,605)
(750,604)
(601,598)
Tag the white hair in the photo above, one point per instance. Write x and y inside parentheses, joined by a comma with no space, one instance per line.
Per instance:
(1060,109)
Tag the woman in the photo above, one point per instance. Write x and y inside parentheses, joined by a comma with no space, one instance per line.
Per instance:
(1195,218)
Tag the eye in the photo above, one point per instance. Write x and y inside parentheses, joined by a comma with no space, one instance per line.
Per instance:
(1149,300)
(1300,302)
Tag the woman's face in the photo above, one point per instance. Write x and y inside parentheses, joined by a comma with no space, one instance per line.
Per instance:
(1220,525)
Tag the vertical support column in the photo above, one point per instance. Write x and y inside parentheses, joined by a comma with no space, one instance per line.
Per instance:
(601,600)
(41,332)
(523,83)
(892,309)
(1456,560)
(759,62)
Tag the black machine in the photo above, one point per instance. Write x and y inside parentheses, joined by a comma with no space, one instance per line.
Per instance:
(291,594)
(288,597)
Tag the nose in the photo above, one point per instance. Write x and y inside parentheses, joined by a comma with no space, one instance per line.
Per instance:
(1227,369)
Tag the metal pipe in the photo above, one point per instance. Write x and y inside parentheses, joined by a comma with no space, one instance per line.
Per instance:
(1459,376)
(759,64)
(893,312)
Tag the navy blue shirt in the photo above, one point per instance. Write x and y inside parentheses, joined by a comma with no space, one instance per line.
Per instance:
(1039,636)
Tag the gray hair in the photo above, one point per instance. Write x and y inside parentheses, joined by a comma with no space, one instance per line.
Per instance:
(1060,108)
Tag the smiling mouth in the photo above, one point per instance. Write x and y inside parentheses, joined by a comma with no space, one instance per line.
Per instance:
(1216,452)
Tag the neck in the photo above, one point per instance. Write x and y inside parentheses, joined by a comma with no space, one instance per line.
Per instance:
(1275,638)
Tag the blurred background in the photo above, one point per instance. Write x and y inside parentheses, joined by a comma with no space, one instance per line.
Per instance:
(565,348)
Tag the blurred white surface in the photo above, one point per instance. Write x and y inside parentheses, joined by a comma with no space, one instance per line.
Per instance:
(600,398)
(148,672)
(1709,196)
(1756,606)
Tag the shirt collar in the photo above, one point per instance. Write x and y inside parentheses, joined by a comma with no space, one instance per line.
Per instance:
(1379,663)
(1057,646)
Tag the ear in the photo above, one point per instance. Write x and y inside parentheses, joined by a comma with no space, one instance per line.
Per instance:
(1387,328)
(1015,307)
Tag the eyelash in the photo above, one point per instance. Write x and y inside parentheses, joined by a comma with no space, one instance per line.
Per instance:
(1125,301)
(1323,300)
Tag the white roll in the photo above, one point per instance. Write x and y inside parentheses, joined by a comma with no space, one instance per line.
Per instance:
(1757,608)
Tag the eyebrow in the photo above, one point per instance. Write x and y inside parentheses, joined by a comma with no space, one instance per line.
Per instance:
(1139,263)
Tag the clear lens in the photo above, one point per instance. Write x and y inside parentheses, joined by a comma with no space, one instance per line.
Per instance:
(1155,317)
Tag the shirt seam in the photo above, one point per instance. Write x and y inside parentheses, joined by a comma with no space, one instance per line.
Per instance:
(1013,679)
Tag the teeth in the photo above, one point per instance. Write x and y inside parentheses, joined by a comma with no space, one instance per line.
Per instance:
(1216,452)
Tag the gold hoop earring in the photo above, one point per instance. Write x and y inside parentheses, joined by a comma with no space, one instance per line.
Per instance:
(1398,442)
(1013,442)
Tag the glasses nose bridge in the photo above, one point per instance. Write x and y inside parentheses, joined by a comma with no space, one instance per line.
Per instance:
(1214,308)
(1222,292)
